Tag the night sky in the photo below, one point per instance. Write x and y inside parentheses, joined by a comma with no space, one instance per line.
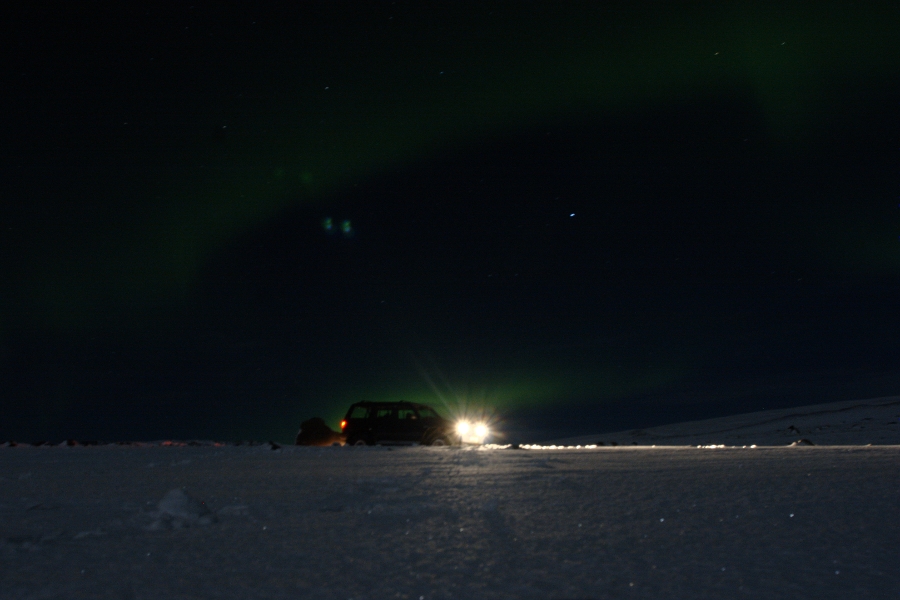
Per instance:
(578,216)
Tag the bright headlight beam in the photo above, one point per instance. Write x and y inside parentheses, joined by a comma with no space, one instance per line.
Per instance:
(472,433)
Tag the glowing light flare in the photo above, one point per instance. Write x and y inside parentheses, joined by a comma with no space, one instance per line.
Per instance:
(472,433)
(331,227)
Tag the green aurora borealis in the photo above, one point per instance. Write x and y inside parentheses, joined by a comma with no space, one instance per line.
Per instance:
(153,143)
(311,123)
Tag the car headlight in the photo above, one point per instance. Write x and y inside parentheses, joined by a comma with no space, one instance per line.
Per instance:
(472,433)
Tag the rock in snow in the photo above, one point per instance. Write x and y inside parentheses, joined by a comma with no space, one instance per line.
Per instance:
(177,510)
(314,432)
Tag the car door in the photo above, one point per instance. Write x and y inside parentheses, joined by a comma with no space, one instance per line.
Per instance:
(410,425)
(386,425)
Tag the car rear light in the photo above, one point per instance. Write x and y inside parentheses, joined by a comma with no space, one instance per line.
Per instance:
(343,425)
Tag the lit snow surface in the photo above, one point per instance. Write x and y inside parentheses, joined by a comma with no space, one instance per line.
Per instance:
(153,521)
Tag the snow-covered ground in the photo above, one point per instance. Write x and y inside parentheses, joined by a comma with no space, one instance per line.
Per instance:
(855,422)
(153,521)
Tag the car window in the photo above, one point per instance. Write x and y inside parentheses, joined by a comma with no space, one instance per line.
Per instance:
(384,413)
(407,414)
(359,412)
(427,413)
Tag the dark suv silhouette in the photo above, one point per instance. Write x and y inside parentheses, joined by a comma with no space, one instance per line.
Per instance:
(369,423)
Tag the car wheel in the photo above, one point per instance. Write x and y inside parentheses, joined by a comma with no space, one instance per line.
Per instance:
(439,442)
(360,442)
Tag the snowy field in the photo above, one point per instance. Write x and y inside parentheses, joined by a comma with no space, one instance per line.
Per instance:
(154,521)
(854,422)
